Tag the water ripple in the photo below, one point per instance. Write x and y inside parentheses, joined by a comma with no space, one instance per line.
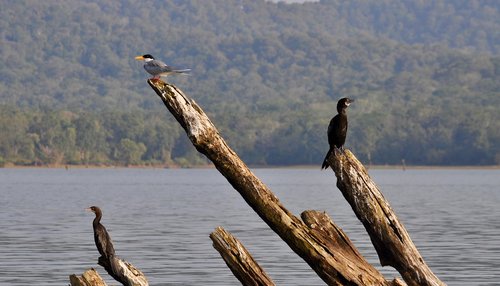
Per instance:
(160,220)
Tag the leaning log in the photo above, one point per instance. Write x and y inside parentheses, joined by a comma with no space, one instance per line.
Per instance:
(239,260)
(123,271)
(388,235)
(329,264)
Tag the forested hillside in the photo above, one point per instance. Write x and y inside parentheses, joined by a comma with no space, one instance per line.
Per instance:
(425,76)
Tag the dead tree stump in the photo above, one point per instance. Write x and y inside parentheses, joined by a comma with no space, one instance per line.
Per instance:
(388,235)
(239,260)
(326,230)
(88,278)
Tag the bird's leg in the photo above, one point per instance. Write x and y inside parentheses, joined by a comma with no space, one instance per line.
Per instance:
(336,150)
(155,78)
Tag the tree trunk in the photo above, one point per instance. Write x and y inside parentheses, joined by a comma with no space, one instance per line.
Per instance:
(330,264)
(239,260)
(390,238)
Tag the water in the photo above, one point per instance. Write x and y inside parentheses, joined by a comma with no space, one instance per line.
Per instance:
(160,219)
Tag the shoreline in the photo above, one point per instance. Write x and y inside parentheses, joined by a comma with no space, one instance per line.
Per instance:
(210,166)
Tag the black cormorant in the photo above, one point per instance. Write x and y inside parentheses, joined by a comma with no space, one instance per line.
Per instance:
(101,236)
(337,129)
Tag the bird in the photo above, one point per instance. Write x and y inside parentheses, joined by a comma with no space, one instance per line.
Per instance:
(337,129)
(101,235)
(158,68)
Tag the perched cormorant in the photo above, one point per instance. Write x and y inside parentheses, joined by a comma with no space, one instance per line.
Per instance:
(101,236)
(337,129)
(158,68)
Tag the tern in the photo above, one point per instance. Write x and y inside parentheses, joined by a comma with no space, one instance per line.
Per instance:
(158,68)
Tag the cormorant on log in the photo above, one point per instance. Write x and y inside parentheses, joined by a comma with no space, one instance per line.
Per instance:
(337,129)
(119,269)
(101,236)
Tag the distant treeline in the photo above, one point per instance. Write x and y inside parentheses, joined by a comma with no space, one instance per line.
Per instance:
(425,76)
(47,137)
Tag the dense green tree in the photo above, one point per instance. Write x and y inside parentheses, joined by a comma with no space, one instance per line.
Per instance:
(90,140)
(129,152)
(16,143)
(425,74)
(54,138)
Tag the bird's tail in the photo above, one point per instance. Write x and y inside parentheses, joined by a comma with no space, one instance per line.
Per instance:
(325,163)
(182,71)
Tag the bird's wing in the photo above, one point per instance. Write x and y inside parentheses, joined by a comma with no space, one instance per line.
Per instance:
(341,130)
(158,67)
(105,241)
(332,130)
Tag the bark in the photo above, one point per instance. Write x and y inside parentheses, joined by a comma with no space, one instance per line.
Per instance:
(238,259)
(331,265)
(88,278)
(326,230)
(388,235)
(123,272)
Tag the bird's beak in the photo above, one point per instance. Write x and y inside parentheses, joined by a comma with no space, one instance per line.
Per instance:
(139,58)
(88,209)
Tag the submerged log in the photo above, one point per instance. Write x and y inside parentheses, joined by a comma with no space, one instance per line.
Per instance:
(88,278)
(330,264)
(388,235)
(239,260)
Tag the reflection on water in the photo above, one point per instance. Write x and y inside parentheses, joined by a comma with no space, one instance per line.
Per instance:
(160,220)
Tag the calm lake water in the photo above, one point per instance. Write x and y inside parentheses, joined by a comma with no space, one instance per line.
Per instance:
(160,220)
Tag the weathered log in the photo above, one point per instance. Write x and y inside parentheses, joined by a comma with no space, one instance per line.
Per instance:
(123,271)
(238,259)
(88,278)
(389,237)
(329,264)
(326,230)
